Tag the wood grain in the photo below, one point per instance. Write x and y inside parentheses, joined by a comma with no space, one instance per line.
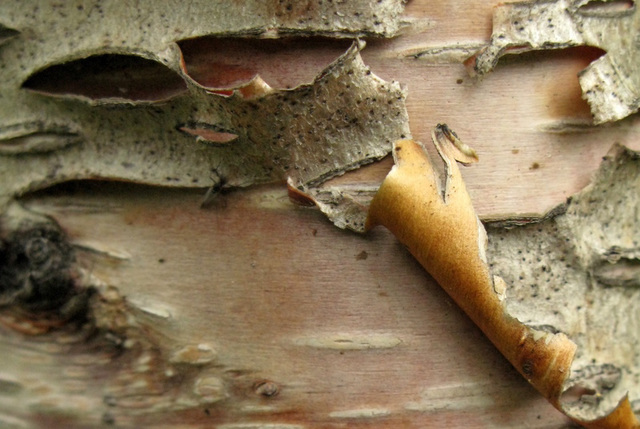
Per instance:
(348,330)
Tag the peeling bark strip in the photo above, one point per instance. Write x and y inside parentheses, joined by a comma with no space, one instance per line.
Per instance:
(584,360)
(346,118)
(175,132)
(610,84)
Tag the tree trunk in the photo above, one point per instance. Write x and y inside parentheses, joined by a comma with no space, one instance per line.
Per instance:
(154,309)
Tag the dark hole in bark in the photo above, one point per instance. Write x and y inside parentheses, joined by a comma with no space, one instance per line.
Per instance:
(583,54)
(35,268)
(606,7)
(109,76)
(219,63)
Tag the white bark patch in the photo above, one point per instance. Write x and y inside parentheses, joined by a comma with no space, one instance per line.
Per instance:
(194,354)
(362,413)
(452,398)
(259,425)
(209,389)
(351,341)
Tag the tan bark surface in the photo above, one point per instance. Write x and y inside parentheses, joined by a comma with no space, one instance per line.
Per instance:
(255,312)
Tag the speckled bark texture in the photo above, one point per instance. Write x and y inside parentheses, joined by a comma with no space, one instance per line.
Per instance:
(55,126)
(579,273)
(611,84)
(155,273)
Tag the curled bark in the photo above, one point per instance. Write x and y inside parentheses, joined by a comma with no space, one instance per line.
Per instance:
(438,224)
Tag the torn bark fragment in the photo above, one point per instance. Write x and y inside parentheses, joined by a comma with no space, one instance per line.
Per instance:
(346,206)
(611,84)
(438,224)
